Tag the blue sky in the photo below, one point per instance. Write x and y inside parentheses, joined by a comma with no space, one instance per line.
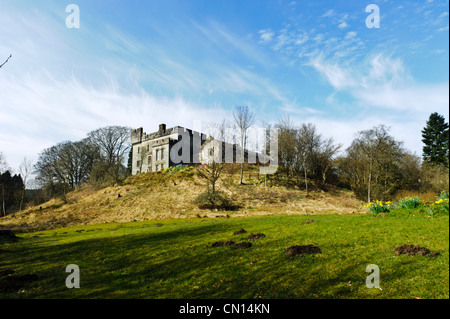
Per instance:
(141,63)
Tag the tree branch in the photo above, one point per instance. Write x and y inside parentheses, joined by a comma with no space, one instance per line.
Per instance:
(10,56)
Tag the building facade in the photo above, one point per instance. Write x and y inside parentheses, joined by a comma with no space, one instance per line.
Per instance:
(165,148)
(181,146)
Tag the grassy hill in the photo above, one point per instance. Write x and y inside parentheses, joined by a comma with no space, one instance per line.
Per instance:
(152,242)
(170,194)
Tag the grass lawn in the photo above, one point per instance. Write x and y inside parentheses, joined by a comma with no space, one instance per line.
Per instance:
(171,258)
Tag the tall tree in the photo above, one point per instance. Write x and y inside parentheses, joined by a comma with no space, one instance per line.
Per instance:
(307,144)
(10,191)
(68,164)
(287,152)
(3,164)
(435,136)
(25,169)
(244,119)
(372,163)
(113,143)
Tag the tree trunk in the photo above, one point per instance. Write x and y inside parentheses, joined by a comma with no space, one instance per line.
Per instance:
(3,197)
(242,173)
(306,183)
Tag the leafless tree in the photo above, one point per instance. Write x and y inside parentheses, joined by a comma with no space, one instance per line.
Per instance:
(244,119)
(67,163)
(287,152)
(114,142)
(372,163)
(3,164)
(307,145)
(25,170)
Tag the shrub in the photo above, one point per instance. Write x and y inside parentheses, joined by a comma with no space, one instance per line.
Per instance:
(210,200)
(378,207)
(408,202)
(440,206)
(443,195)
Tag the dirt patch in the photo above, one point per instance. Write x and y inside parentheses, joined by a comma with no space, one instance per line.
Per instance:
(311,221)
(14,283)
(256,236)
(302,250)
(231,243)
(240,231)
(223,243)
(243,245)
(414,250)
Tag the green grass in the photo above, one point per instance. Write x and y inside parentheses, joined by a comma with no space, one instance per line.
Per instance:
(171,258)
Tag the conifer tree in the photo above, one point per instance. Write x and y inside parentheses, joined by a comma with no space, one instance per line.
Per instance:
(436,140)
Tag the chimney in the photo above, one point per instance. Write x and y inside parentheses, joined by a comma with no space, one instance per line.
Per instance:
(162,128)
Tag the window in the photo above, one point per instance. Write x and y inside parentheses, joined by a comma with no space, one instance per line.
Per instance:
(162,154)
(149,160)
(148,147)
(162,166)
(138,163)
(157,155)
(157,167)
(138,149)
(211,152)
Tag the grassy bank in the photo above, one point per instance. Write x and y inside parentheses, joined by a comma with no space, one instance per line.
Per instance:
(171,258)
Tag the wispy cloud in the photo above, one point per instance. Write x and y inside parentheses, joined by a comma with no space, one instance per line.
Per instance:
(383,82)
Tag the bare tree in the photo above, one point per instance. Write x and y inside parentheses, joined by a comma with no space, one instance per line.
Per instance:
(244,119)
(25,170)
(308,144)
(323,159)
(287,152)
(114,142)
(67,163)
(3,164)
(372,163)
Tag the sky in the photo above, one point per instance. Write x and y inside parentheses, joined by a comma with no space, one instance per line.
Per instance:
(141,63)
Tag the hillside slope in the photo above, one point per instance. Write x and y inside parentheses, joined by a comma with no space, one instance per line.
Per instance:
(170,194)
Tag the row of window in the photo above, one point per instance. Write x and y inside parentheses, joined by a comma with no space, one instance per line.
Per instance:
(159,153)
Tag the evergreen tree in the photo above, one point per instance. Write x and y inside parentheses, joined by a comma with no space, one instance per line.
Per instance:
(11,188)
(436,139)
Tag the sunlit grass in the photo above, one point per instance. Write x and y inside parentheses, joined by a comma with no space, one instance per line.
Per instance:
(171,258)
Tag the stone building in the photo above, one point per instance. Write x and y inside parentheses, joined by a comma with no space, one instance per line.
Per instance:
(165,148)
(181,146)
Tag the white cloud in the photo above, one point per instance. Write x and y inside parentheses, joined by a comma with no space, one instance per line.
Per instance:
(266,35)
(381,82)
(350,35)
(343,25)
(329,13)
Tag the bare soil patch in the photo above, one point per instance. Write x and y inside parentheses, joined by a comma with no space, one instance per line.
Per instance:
(14,283)
(256,236)
(243,245)
(302,250)
(240,231)
(411,250)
